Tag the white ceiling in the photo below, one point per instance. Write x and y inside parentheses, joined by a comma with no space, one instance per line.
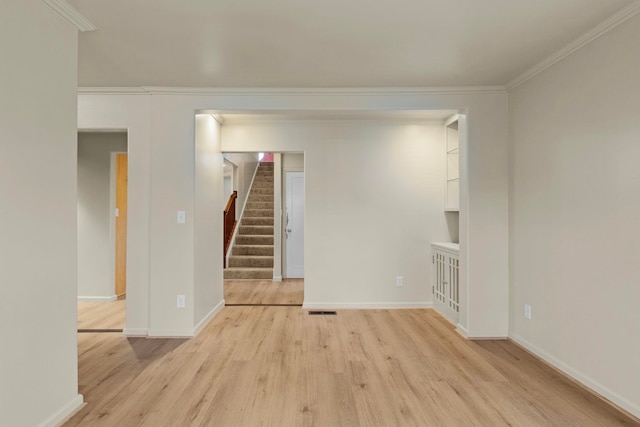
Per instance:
(329,43)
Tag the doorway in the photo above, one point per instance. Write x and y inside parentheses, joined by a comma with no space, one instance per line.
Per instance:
(102,230)
(261,233)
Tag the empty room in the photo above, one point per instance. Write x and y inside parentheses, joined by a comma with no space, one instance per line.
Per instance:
(337,214)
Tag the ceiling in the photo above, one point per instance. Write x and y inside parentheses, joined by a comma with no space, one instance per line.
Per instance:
(329,43)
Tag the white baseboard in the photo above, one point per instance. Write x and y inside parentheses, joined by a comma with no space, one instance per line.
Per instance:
(63,412)
(366,305)
(590,383)
(135,332)
(98,299)
(170,333)
(277,278)
(208,317)
(462,331)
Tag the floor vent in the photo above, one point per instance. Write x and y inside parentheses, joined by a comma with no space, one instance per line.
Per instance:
(97,331)
(322,313)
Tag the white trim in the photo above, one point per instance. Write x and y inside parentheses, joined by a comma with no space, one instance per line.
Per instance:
(365,305)
(170,333)
(208,91)
(64,412)
(135,332)
(218,118)
(97,299)
(462,331)
(450,120)
(582,378)
(112,91)
(277,279)
(69,13)
(208,317)
(103,130)
(599,30)
(293,120)
(235,231)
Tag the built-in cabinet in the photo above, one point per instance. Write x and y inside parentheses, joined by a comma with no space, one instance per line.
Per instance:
(446,279)
(452,159)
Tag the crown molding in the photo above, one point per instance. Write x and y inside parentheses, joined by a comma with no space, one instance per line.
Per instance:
(69,13)
(209,91)
(598,31)
(112,91)
(155,90)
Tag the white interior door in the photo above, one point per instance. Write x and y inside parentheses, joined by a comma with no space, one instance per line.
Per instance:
(294,224)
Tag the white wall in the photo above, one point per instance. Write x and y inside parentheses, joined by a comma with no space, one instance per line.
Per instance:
(247,164)
(96,253)
(38,359)
(208,219)
(293,162)
(483,233)
(574,213)
(364,223)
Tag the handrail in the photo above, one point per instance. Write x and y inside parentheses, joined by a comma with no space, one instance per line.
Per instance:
(229,225)
(232,200)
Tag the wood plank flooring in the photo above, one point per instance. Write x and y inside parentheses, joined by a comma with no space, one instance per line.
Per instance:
(101,315)
(278,366)
(264,292)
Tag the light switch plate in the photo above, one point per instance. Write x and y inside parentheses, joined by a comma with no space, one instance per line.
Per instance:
(181,301)
(182,217)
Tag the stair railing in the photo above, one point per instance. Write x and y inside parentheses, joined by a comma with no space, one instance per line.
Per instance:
(229,224)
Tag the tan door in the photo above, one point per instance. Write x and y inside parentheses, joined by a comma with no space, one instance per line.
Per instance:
(121,224)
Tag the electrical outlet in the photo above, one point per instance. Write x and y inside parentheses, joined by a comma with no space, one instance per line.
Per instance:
(181,301)
(527,311)
(399,281)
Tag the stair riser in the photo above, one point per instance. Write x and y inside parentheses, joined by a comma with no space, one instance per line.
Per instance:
(253,213)
(262,184)
(265,191)
(254,240)
(259,205)
(248,275)
(257,221)
(260,198)
(253,250)
(251,261)
(263,230)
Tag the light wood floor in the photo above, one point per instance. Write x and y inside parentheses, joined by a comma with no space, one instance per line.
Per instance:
(101,315)
(279,366)
(264,292)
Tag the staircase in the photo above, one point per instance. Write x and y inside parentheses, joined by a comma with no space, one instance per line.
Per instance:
(252,254)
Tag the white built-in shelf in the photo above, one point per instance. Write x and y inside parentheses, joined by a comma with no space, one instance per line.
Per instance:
(452,182)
